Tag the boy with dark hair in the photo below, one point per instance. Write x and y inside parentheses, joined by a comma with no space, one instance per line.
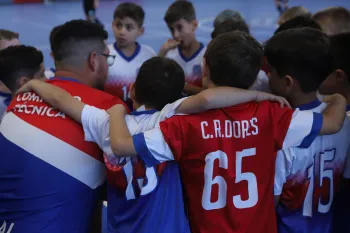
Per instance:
(46,149)
(138,195)
(184,48)
(298,22)
(128,19)
(19,64)
(227,156)
(307,180)
(339,80)
(262,82)
(333,20)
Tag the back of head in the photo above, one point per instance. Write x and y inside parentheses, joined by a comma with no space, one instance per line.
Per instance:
(234,59)
(160,81)
(227,15)
(303,54)
(333,20)
(230,26)
(181,9)
(131,10)
(74,41)
(298,22)
(19,61)
(340,49)
(6,35)
(292,12)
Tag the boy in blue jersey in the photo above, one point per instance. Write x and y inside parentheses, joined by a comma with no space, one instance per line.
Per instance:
(139,197)
(306,180)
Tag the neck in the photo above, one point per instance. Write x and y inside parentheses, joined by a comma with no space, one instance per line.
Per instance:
(301,98)
(4,89)
(191,49)
(137,105)
(127,50)
(74,75)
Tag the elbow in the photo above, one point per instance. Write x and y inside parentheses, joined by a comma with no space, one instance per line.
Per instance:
(117,147)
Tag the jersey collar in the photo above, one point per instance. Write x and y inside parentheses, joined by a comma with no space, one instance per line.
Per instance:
(136,52)
(191,57)
(142,111)
(311,105)
(65,79)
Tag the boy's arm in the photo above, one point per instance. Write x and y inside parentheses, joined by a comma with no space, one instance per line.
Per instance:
(221,97)
(191,89)
(334,115)
(120,138)
(56,97)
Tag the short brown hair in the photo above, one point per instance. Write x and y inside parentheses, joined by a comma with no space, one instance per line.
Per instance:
(180,10)
(8,35)
(333,20)
(293,12)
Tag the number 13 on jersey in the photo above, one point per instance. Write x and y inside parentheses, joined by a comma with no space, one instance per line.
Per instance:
(210,180)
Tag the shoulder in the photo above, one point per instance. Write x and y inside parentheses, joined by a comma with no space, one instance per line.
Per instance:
(147,50)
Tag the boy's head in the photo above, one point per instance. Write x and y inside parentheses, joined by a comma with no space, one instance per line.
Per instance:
(8,38)
(181,20)
(227,15)
(292,12)
(339,80)
(127,23)
(333,20)
(299,59)
(230,26)
(160,81)
(232,59)
(19,64)
(298,22)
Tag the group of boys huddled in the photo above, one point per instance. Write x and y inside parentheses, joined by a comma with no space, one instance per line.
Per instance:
(189,139)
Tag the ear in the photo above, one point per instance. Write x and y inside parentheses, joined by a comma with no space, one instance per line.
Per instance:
(141,31)
(340,76)
(92,61)
(289,81)
(21,81)
(195,24)
(132,92)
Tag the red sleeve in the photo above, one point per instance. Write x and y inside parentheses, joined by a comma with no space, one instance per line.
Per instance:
(281,120)
(173,135)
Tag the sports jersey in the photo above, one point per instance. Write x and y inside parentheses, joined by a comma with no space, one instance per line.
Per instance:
(124,70)
(308,180)
(138,196)
(5,100)
(227,161)
(50,176)
(192,66)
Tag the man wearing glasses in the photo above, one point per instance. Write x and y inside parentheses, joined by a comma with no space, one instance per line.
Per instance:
(51,179)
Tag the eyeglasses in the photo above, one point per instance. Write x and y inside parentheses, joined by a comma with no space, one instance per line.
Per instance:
(110,58)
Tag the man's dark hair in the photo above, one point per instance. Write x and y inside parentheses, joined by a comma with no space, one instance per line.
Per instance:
(160,81)
(302,53)
(131,10)
(73,41)
(180,10)
(234,59)
(298,22)
(230,26)
(18,61)
(8,35)
(340,49)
